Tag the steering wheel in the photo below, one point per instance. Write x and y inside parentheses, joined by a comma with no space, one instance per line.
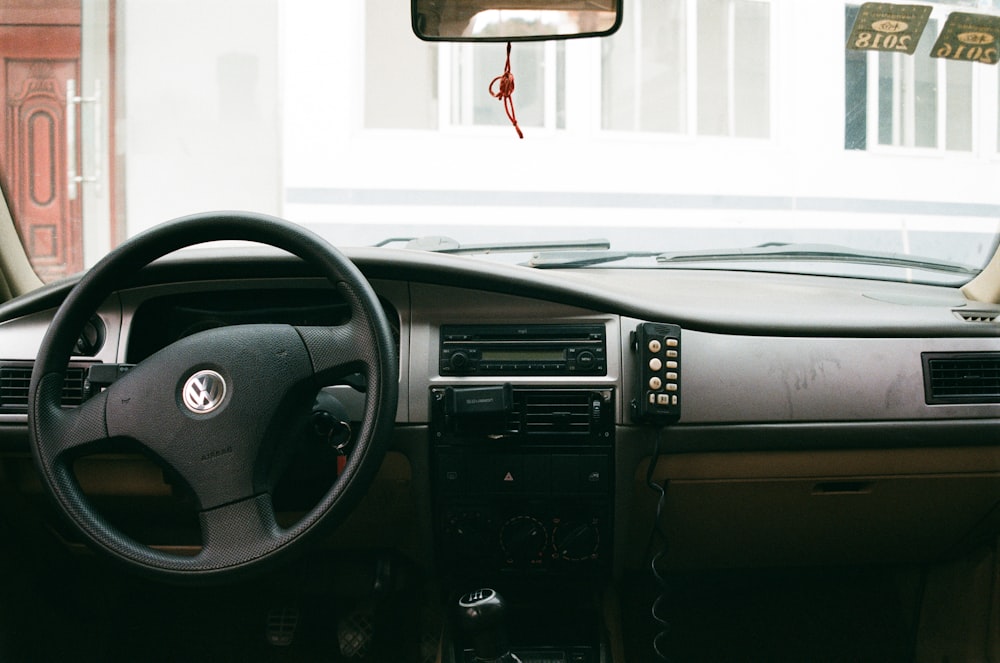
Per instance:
(212,407)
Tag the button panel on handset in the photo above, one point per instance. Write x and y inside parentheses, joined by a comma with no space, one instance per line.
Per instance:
(658,357)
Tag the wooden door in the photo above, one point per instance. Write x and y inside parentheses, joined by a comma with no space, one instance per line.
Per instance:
(39,54)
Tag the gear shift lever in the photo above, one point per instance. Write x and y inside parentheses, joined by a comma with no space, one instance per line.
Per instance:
(481,615)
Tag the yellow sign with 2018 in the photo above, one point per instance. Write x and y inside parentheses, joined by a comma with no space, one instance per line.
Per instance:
(882,26)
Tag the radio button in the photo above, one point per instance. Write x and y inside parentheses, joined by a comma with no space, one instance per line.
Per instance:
(451,473)
(497,474)
(671,364)
(654,346)
(655,364)
(671,376)
(655,383)
(672,354)
(671,386)
(593,473)
(672,342)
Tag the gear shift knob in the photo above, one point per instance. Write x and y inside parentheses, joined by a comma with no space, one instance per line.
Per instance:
(482,618)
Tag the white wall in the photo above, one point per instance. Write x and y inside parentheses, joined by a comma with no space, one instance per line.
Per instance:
(190,145)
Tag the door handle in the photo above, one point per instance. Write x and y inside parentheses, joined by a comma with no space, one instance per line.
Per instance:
(74,179)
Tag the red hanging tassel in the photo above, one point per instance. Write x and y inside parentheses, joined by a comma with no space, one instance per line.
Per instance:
(505,88)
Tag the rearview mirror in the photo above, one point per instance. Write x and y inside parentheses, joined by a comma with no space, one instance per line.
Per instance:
(513,20)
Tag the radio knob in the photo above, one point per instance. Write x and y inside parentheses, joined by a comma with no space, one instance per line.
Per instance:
(585,359)
(459,360)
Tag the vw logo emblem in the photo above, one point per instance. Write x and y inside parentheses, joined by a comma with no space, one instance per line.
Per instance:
(203,392)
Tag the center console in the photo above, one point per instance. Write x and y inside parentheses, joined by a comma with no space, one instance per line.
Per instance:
(523,485)
(523,503)
(523,478)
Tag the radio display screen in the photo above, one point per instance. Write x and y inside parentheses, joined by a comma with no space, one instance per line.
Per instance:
(522,355)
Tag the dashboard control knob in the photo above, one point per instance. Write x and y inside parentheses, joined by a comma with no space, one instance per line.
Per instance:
(459,360)
(523,539)
(468,533)
(576,540)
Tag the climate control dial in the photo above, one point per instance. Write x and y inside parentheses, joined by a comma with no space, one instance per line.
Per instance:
(524,540)
(576,540)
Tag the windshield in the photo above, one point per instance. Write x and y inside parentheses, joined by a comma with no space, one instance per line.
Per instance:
(714,130)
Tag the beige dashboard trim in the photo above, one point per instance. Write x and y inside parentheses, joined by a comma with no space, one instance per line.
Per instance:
(986,286)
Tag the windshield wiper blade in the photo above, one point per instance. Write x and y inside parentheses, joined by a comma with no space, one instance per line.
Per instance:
(816,253)
(584,258)
(443,244)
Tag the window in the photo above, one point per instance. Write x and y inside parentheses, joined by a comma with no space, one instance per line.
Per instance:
(681,67)
(923,101)
(539,70)
(899,100)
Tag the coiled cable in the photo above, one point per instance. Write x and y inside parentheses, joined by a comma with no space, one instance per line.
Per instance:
(658,540)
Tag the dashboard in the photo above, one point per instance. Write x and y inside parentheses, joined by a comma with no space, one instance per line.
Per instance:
(796,420)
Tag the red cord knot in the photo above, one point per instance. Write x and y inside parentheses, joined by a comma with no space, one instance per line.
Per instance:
(504,84)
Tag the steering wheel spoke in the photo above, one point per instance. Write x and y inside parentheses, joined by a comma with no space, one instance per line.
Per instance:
(338,351)
(67,430)
(238,532)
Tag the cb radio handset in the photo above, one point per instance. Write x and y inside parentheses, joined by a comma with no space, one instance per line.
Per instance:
(657,347)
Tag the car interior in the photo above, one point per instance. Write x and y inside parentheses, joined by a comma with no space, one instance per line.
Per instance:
(231,438)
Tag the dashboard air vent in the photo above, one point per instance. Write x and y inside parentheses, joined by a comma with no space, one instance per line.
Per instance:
(531,415)
(978,316)
(16,378)
(965,377)
(562,413)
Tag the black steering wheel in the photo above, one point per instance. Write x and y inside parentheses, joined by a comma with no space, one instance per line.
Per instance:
(213,407)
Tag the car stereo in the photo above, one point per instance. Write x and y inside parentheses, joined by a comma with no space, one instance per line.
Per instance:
(564,349)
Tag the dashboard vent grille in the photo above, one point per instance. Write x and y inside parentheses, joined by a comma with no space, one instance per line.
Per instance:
(15,380)
(978,316)
(969,377)
(555,412)
(532,415)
